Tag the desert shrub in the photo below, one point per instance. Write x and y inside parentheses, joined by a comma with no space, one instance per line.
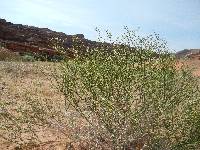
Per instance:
(124,95)
(133,96)
(28,57)
(57,44)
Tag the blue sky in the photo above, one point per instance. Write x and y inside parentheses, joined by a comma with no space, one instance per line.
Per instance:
(177,21)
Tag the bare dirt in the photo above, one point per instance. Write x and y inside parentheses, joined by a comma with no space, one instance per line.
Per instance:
(22,80)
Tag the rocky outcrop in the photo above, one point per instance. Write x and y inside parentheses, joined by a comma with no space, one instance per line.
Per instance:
(189,53)
(23,38)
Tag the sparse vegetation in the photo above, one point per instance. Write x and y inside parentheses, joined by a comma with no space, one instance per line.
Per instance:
(132,97)
(6,55)
(128,95)
(41,57)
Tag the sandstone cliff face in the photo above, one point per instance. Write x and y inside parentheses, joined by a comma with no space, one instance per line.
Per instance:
(23,38)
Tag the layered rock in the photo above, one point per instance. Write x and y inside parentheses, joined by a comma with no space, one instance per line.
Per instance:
(23,38)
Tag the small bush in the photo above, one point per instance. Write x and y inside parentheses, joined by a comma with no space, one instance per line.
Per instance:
(133,96)
(41,57)
(28,58)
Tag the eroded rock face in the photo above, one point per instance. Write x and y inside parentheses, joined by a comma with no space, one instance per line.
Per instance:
(23,38)
(189,53)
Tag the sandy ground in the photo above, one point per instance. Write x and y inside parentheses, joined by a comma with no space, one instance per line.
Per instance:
(193,64)
(22,80)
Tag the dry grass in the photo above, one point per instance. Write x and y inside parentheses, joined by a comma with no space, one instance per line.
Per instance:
(22,80)
(6,55)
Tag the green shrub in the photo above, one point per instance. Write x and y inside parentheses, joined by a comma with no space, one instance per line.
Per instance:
(133,96)
(41,57)
(28,57)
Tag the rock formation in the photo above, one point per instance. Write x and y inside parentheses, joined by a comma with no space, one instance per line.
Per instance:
(23,38)
(189,53)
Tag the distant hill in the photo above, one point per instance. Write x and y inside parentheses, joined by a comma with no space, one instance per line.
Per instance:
(24,38)
(189,53)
